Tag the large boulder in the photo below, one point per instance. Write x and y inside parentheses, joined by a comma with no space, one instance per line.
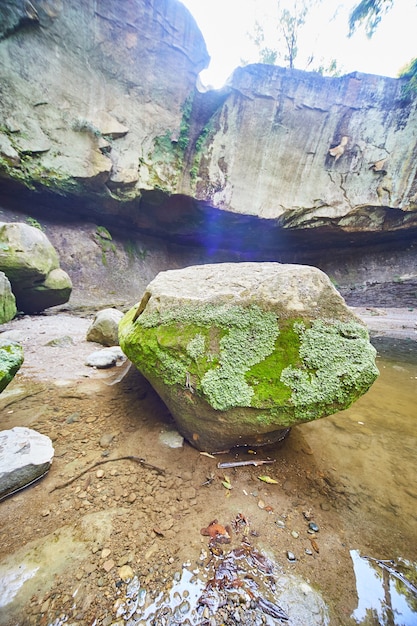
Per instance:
(7,300)
(239,352)
(31,264)
(11,358)
(25,456)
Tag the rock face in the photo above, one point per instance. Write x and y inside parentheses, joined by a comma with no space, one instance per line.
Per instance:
(100,86)
(239,352)
(11,358)
(25,455)
(104,328)
(31,264)
(288,149)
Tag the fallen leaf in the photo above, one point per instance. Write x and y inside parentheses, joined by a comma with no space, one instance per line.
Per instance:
(226,485)
(315,546)
(268,479)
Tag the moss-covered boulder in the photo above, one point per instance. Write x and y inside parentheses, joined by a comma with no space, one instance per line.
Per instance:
(241,351)
(31,264)
(11,358)
(7,300)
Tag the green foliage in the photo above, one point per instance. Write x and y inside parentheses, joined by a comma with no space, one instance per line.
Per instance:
(34,222)
(266,55)
(135,251)
(104,239)
(202,138)
(368,13)
(82,125)
(289,24)
(409,72)
(185,123)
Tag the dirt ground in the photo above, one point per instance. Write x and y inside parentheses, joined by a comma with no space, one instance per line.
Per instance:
(146,511)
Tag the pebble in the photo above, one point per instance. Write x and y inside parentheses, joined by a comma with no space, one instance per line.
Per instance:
(313,526)
(309,552)
(105,553)
(291,556)
(100,473)
(295,534)
(108,565)
(280,523)
(126,573)
(106,440)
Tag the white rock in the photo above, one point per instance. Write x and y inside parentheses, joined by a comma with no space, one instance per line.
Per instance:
(107,357)
(25,455)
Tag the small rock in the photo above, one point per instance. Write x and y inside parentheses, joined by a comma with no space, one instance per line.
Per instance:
(172,439)
(295,534)
(106,440)
(126,573)
(100,473)
(291,556)
(105,553)
(131,497)
(108,565)
(104,328)
(107,357)
(308,551)
(313,526)
(280,523)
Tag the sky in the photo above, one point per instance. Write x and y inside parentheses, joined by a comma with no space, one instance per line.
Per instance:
(225,25)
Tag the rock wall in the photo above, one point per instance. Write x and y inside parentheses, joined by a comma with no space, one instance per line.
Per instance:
(100,117)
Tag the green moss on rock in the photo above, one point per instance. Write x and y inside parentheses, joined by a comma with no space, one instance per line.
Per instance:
(235,358)
(216,344)
(338,365)
(11,358)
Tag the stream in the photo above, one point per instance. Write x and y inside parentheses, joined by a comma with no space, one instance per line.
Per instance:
(331,542)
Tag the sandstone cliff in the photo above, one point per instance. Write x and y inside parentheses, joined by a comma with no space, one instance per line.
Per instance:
(100,115)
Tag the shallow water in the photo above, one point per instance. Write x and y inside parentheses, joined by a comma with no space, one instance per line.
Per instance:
(356,469)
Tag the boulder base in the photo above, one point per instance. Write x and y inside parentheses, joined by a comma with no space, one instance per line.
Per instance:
(241,351)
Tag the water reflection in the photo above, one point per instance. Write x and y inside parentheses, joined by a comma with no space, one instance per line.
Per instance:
(386,595)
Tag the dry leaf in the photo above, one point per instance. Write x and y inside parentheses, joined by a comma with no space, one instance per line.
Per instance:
(268,479)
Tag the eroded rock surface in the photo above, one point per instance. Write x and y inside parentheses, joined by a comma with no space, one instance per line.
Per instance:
(239,352)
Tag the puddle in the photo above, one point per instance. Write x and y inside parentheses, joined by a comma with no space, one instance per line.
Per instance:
(238,586)
(386,593)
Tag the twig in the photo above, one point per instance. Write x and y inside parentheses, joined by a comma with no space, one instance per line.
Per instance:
(393,572)
(256,462)
(119,458)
